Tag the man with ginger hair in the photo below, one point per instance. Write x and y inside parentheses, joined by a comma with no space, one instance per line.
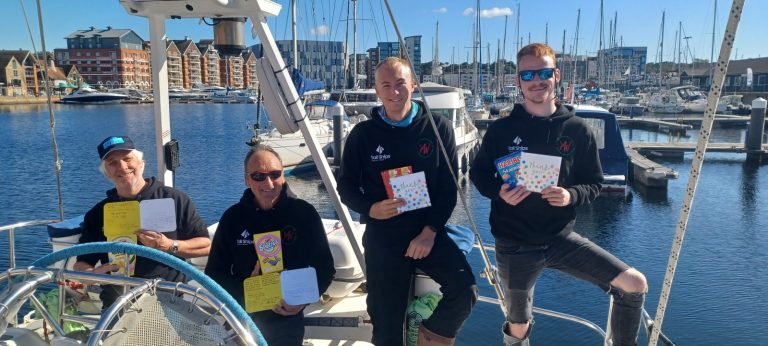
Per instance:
(399,134)
(535,230)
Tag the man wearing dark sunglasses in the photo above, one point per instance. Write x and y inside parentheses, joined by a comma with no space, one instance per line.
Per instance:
(400,135)
(534,231)
(266,207)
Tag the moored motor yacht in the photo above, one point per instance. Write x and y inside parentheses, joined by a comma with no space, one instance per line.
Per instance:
(89,95)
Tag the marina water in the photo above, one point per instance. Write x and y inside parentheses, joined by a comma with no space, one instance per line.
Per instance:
(719,296)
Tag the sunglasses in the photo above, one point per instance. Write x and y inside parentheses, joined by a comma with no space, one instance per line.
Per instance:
(261,176)
(544,74)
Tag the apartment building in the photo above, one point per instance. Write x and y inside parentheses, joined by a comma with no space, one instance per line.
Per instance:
(108,57)
(191,71)
(317,60)
(250,79)
(209,63)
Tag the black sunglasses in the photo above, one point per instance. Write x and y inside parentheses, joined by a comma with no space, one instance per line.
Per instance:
(261,176)
(544,74)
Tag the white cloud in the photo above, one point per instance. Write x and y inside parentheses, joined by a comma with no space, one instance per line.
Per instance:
(468,11)
(496,12)
(440,10)
(321,30)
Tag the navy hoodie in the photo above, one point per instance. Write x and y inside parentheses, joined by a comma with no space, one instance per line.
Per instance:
(188,225)
(374,146)
(233,255)
(533,220)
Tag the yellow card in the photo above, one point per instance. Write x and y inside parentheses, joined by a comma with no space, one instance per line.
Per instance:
(269,249)
(121,221)
(262,292)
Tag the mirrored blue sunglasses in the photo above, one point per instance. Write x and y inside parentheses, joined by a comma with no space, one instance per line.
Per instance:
(544,74)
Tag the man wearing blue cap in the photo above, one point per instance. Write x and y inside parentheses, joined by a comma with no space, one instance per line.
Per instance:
(123,165)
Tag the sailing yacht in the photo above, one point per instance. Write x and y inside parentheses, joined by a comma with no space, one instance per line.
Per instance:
(343,320)
(357,101)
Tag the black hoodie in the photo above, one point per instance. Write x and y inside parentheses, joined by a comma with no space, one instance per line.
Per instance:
(188,225)
(233,255)
(374,146)
(534,221)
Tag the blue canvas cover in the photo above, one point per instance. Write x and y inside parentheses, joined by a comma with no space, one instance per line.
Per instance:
(613,157)
(66,228)
(304,84)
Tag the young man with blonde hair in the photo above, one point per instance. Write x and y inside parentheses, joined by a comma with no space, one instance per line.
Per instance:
(399,134)
(535,230)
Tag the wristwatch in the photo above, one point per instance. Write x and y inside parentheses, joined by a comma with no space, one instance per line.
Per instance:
(174,248)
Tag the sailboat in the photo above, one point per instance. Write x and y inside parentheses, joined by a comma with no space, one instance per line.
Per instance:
(356,100)
(329,132)
(207,313)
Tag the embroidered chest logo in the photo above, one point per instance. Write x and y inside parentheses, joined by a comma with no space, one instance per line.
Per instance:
(245,238)
(424,147)
(517,145)
(565,146)
(289,235)
(379,155)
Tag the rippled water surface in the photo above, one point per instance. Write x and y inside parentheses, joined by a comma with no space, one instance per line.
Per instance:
(719,292)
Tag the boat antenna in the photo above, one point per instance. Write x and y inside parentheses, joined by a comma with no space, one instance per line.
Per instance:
(489,271)
(51,116)
(698,159)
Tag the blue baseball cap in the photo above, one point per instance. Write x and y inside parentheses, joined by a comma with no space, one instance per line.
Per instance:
(113,143)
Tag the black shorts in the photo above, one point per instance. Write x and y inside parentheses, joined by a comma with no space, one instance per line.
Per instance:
(520,266)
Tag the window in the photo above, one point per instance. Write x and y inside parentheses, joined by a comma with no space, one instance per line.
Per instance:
(598,127)
(762,79)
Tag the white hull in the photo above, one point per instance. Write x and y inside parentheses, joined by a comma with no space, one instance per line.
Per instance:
(292,147)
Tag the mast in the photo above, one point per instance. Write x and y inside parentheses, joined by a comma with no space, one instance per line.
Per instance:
(517,31)
(562,57)
(615,20)
(504,48)
(354,45)
(600,56)
(346,52)
(476,82)
(498,57)
(679,49)
(576,45)
(295,52)
(435,52)
(712,46)
(479,47)
(661,46)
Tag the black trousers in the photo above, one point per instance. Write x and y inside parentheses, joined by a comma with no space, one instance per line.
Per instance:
(389,278)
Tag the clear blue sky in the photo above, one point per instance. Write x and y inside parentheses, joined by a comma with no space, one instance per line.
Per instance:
(639,24)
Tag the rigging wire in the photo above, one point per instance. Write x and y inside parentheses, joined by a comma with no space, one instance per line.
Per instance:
(490,272)
(375,26)
(51,116)
(381,9)
(698,160)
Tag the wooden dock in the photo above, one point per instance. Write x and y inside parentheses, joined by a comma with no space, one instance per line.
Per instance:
(647,172)
(652,174)
(654,124)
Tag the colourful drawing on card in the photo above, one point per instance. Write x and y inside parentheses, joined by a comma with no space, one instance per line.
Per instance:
(413,189)
(262,292)
(269,250)
(538,172)
(508,167)
(121,221)
(388,174)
